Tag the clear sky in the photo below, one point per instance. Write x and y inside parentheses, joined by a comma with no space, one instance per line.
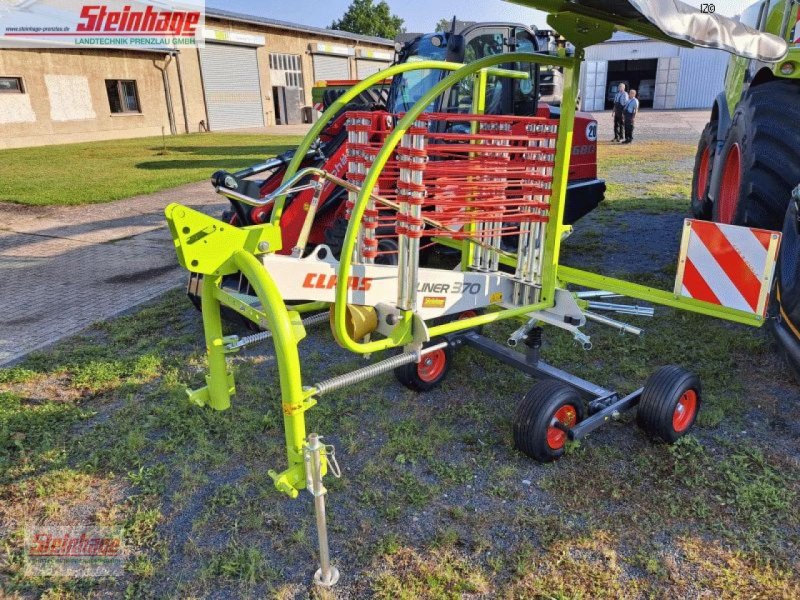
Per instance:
(419,15)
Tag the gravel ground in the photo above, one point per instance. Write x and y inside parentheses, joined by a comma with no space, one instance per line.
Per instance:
(434,502)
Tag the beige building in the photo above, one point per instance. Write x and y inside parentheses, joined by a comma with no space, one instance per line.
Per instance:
(252,72)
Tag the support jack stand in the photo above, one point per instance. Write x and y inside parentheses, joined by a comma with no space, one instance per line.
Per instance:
(327,575)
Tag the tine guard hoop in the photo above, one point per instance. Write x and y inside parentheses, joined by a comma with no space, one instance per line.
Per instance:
(555,227)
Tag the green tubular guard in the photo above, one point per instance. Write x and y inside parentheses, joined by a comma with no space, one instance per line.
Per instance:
(339,104)
(353,92)
(286,333)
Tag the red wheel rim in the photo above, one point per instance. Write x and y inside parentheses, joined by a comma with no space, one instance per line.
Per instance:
(702,175)
(729,187)
(432,365)
(467,314)
(685,410)
(566,415)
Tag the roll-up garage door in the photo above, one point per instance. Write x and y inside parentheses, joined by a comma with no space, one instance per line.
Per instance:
(366,67)
(231,86)
(330,67)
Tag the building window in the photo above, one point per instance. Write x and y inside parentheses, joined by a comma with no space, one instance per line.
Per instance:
(122,96)
(11,85)
(287,69)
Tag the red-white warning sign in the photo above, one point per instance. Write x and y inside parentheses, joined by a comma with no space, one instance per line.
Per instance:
(727,265)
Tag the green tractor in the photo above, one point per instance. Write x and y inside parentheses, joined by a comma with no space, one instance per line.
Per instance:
(747,167)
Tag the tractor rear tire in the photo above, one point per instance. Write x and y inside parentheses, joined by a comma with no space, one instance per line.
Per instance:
(545,403)
(701,177)
(785,298)
(759,158)
(669,404)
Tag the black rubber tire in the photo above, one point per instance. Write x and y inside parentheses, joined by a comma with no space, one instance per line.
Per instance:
(334,235)
(227,216)
(785,299)
(534,414)
(662,392)
(700,202)
(334,239)
(193,286)
(766,126)
(412,375)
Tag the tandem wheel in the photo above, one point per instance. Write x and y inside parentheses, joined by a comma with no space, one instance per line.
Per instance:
(539,416)
(669,404)
(428,372)
(433,368)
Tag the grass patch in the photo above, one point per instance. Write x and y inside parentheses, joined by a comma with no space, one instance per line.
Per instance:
(407,575)
(643,157)
(125,168)
(434,501)
(658,186)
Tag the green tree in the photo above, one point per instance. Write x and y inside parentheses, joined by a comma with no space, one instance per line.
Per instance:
(444,25)
(366,18)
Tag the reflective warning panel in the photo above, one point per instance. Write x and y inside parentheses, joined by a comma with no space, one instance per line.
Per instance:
(727,265)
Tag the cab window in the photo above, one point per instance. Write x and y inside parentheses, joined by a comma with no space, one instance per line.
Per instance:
(752,16)
(525,92)
(489,44)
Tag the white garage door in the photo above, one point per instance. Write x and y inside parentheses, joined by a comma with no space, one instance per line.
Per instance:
(231,86)
(594,88)
(667,77)
(366,68)
(330,67)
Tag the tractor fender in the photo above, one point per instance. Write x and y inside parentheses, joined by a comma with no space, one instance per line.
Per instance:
(723,115)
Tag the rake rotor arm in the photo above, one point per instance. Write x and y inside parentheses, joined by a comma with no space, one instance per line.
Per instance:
(337,106)
(353,92)
(656,296)
(371,179)
(349,186)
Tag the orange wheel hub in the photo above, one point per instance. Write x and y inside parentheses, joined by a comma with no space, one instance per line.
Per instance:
(567,416)
(432,365)
(685,410)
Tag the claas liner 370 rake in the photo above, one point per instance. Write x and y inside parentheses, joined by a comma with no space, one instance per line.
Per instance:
(492,187)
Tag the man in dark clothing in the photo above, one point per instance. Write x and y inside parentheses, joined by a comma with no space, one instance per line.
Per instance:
(620,100)
(631,108)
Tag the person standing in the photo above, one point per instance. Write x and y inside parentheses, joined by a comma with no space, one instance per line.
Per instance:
(631,108)
(620,100)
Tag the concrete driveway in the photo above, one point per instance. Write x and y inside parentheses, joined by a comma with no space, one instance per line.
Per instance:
(64,268)
(672,125)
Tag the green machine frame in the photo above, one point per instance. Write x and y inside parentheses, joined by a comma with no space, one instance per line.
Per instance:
(214,249)
(243,245)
